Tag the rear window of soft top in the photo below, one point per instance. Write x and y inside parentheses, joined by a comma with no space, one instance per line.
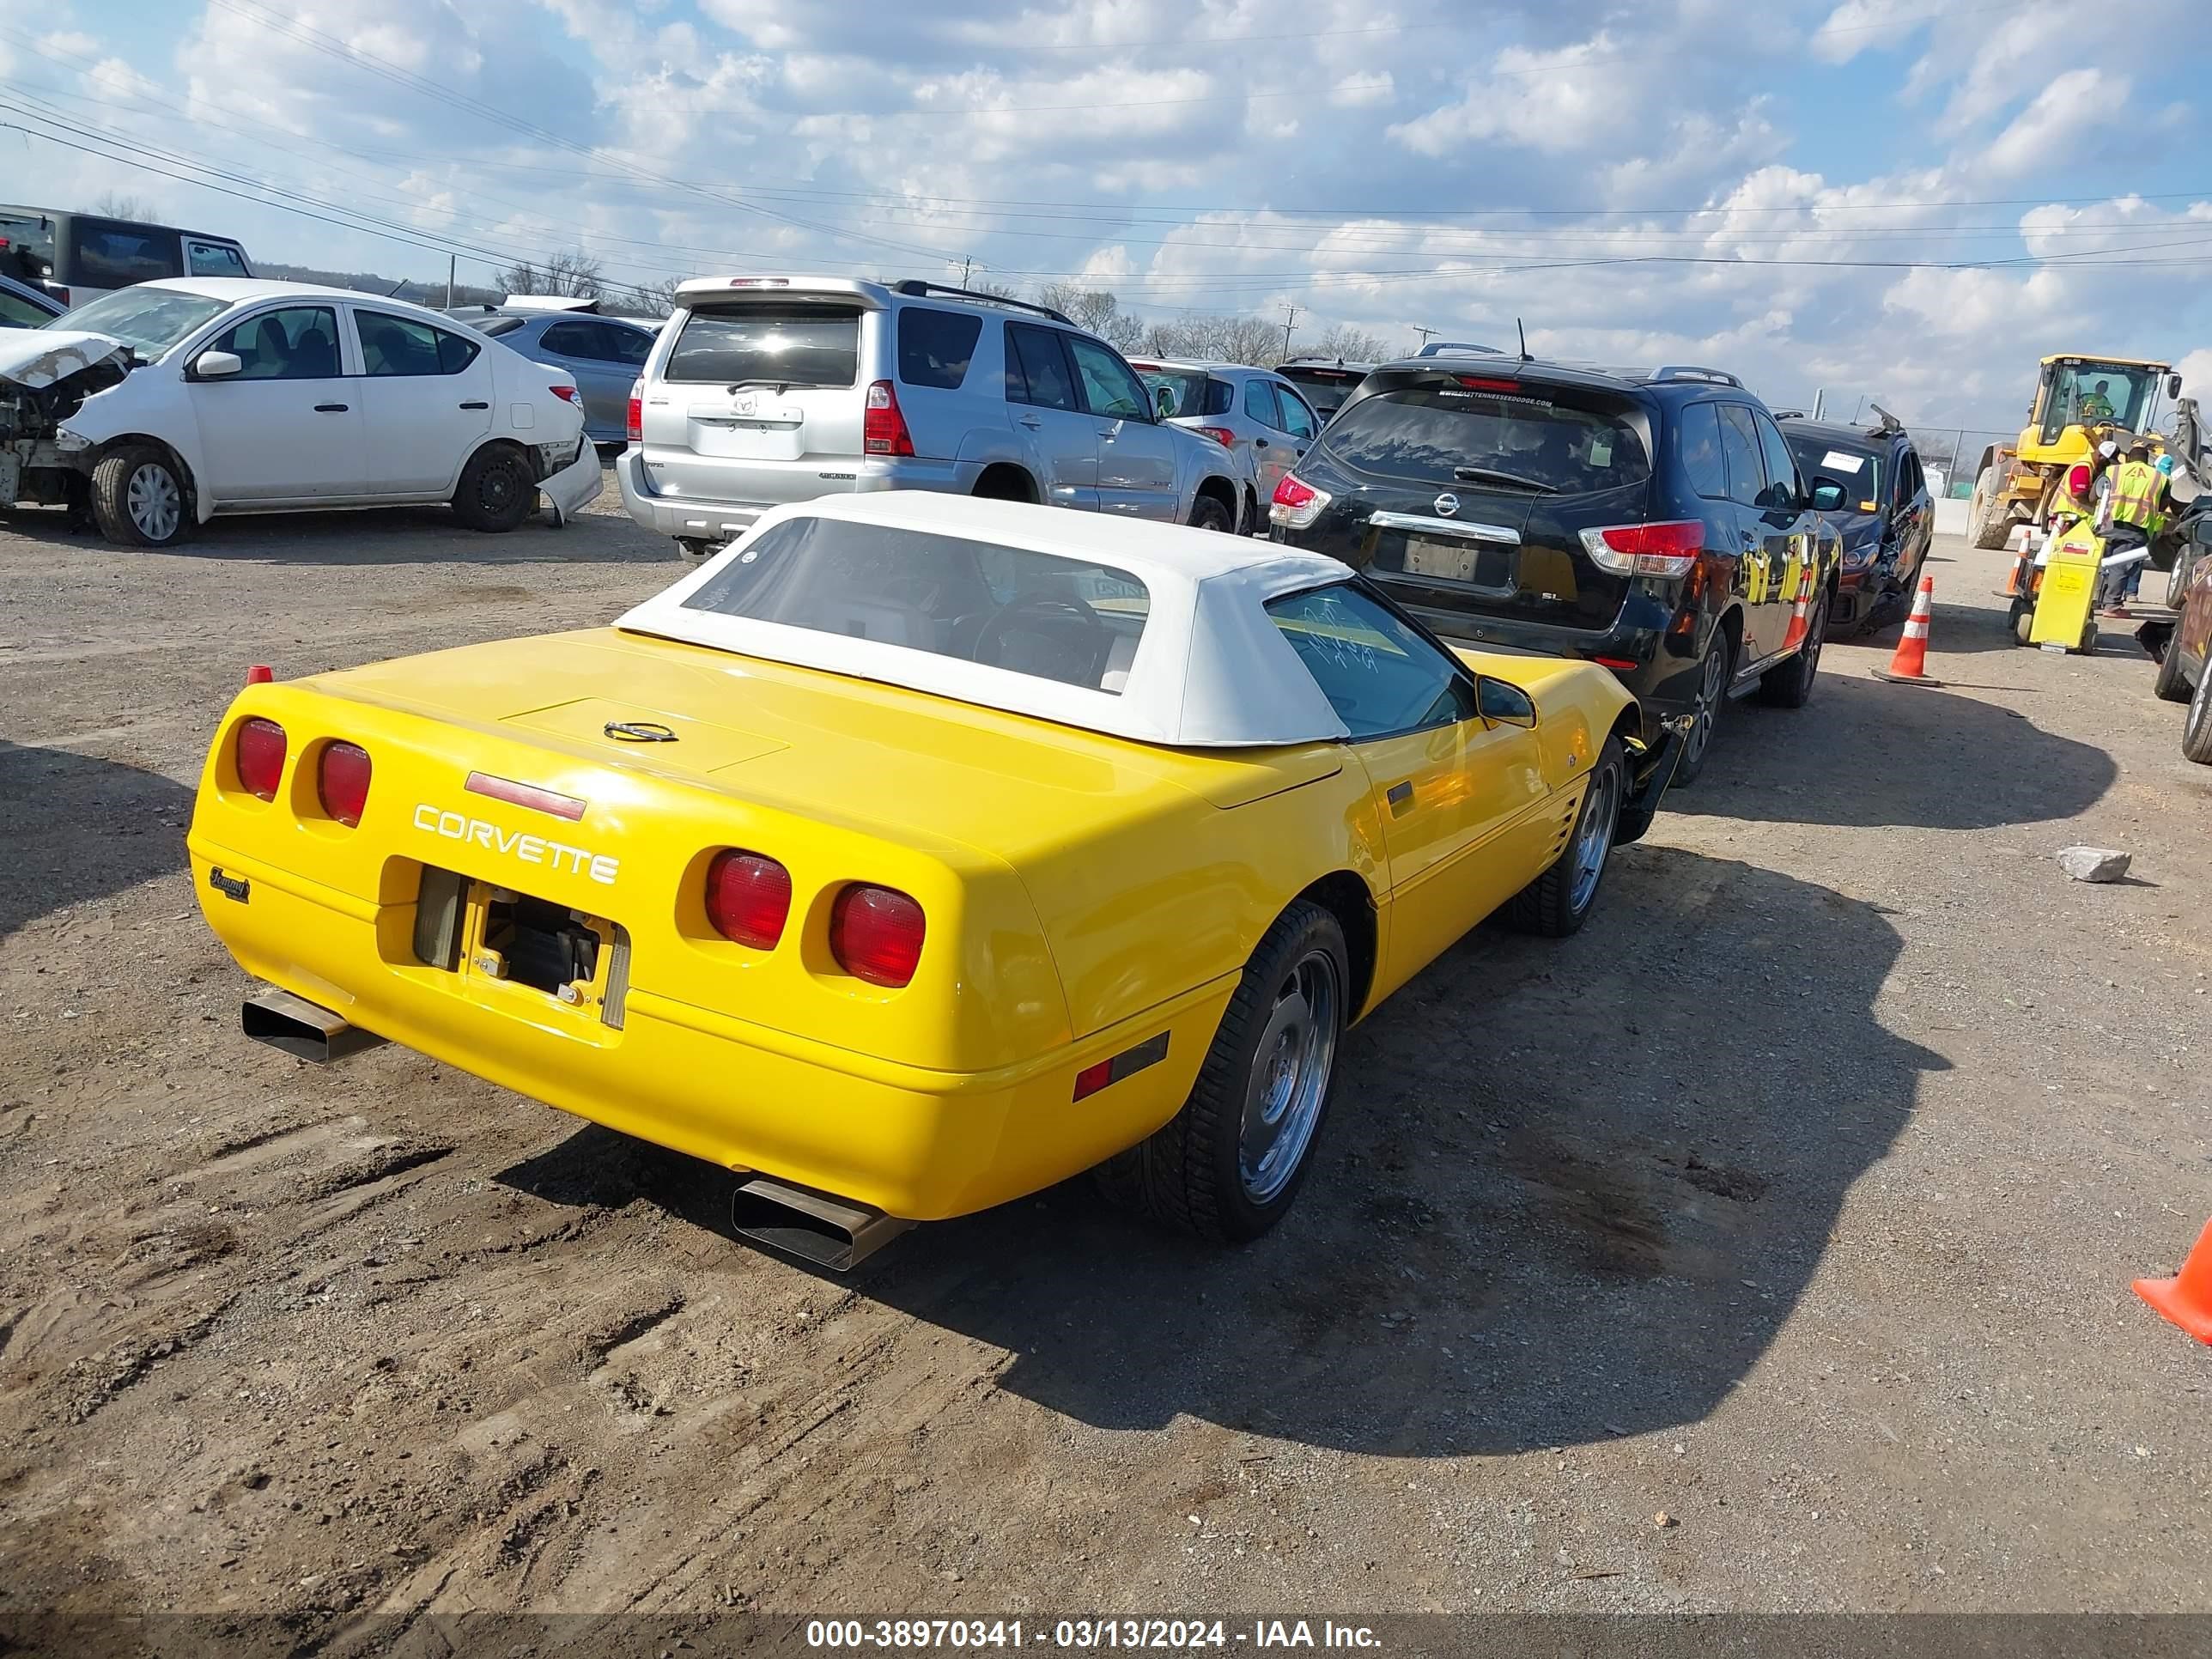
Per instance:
(1568,444)
(778,343)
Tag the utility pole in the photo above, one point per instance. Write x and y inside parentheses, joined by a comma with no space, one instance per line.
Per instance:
(1290,322)
(965,264)
(453,264)
(1820,397)
(1425,333)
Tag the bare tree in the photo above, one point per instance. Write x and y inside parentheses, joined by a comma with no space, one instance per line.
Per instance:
(1095,309)
(655,299)
(571,275)
(997,290)
(116,205)
(1354,345)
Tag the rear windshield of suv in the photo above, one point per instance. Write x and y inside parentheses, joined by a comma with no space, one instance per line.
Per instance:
(1028,612)
(778,342)
(1436,435)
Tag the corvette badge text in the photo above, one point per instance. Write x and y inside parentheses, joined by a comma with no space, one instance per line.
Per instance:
(601,867)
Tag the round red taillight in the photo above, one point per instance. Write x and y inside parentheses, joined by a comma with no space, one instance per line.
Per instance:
(259,752)
(875,934)
(748,897)
(341,782)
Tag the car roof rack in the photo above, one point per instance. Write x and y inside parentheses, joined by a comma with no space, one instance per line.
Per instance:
(1888,422)
(1439,348)
(914,287)
(1788,414)
(1694,372)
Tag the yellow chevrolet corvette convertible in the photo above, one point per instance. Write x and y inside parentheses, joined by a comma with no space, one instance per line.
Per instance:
(915,852)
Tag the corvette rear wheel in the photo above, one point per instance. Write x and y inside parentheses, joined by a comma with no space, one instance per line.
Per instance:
(1228,1166)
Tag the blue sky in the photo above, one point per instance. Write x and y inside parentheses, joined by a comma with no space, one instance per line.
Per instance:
(1787,190)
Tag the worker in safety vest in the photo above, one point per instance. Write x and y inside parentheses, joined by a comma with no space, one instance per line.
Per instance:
(2133,518)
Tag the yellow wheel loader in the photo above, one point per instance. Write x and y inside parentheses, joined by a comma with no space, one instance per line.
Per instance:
(2080,402)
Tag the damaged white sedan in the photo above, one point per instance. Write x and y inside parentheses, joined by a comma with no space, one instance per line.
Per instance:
(157,407)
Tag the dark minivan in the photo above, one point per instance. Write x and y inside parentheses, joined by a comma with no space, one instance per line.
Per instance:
(1653,521)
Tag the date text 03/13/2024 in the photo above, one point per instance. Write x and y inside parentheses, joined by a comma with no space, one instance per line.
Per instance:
(1083,1635)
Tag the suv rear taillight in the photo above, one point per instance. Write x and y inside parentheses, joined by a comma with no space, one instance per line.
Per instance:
(1668,548)
(875,934)
(258,751)
(748,897)
(341,782)
(637,411)
(883,432)
(1297,503)
(1220,435)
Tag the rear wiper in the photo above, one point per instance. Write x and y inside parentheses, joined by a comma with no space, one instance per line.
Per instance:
(1492,475)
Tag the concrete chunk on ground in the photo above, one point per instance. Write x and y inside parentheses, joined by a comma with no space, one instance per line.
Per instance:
(2094,863)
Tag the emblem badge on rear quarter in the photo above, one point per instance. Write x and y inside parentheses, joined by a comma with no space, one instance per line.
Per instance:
(231,887)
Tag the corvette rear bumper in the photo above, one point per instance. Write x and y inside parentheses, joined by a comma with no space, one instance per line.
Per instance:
(913,1143)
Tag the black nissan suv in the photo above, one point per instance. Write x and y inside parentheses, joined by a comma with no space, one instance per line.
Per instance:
(1654,521)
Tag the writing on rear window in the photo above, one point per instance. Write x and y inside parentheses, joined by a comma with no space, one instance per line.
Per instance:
(1011,608)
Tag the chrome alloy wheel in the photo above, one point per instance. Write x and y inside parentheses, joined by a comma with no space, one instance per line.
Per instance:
(154,501)
(1712,682)
(1289,1079)
(1594,840)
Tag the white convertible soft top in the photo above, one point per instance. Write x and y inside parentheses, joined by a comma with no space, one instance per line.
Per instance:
(1211,670)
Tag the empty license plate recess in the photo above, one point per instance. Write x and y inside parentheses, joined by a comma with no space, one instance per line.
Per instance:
(515,945)
(1478,564)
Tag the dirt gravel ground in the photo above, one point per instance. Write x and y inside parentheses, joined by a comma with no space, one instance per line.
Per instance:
(1795,1199)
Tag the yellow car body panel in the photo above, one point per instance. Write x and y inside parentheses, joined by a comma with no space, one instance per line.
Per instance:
(1083,893)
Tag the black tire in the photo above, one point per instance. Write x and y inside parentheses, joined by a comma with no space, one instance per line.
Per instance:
(2023,622)
(139,498)
(2197,725)
(1715,670)
(1790,684)
(1189,1175)
(2172,684)
(2177,584)
(1559,901)
(1207,513)
(1988,523)
(497,490)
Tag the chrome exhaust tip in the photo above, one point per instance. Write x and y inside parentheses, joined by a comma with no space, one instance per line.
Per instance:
(301,1028)
(827,1230)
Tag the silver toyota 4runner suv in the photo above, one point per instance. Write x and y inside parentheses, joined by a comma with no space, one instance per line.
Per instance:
(763,390)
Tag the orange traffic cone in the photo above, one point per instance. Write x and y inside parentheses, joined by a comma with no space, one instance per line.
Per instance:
(2017,544)
(1910,666)
(2185,1299)
(1800,611)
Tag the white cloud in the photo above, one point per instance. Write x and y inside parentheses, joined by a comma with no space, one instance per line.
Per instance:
(2072,105)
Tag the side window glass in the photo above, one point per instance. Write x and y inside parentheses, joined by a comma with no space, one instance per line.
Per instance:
(21,313)
(208,260)
(1746,473)
(1043,378)
(935,347)
(1699,436)
(1297,419)
(1260,405)
(1109,387)
(300,343)
(573,340)
(632,346)
(401,346)
(1781,491)
(1378,675)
